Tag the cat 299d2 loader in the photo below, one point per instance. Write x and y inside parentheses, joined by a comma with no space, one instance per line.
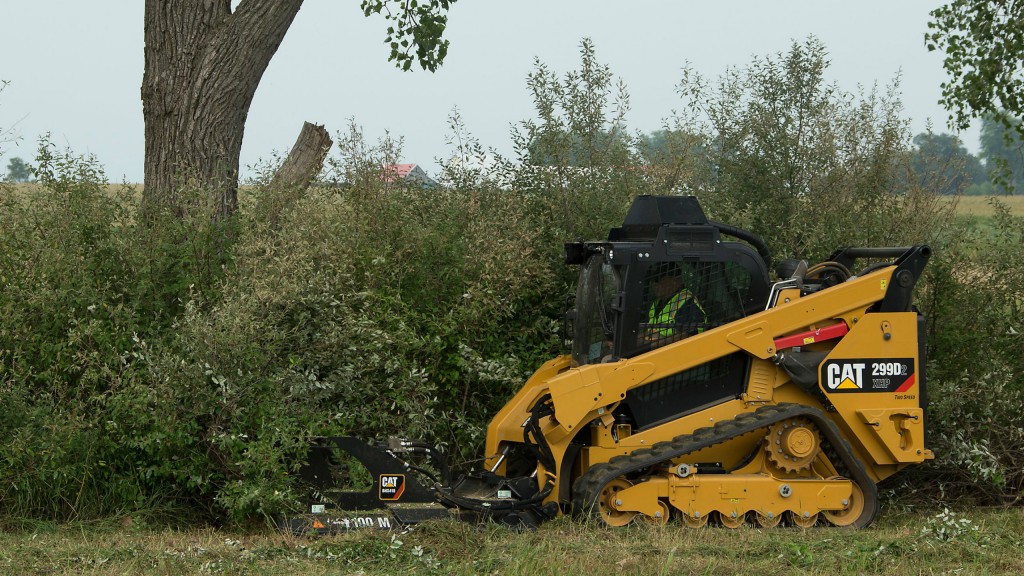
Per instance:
(734,400)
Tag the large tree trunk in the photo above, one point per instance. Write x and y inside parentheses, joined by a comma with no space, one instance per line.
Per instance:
(203,64)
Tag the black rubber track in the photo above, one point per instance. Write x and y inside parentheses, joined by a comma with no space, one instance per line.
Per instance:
(587,488)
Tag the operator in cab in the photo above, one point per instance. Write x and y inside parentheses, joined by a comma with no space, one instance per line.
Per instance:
(674,311)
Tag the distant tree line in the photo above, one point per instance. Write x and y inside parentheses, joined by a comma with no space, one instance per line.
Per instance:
(939,158)
(18,170)
(998,169)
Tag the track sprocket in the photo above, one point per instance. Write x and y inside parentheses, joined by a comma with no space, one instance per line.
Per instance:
(793,444)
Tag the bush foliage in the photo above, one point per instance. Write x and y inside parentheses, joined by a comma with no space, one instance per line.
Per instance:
(184,361)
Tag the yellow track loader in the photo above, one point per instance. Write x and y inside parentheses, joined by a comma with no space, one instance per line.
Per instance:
(695,389)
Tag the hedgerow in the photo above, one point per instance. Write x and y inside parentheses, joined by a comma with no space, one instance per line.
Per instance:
(185,361)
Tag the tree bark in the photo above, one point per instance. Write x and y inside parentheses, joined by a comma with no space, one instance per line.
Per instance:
(203,63)
(298,171)
(305,160)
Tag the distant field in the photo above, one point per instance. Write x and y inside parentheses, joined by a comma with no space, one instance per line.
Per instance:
(978,206)
(981,205)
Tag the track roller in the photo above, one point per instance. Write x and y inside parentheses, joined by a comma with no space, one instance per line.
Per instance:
(660,518)
(802,520)
(732,519)
(698,520)
(767,519)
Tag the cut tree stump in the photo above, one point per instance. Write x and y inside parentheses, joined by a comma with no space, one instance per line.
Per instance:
(305,160)
(297,172)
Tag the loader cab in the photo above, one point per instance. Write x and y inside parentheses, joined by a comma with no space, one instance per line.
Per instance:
(664,241)
(620,307)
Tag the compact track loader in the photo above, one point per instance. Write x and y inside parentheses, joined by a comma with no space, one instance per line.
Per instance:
(732,400)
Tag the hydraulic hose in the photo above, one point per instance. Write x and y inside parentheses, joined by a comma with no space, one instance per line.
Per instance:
(749,237)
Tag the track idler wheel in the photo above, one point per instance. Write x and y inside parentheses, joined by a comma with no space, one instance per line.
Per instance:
(853,511)
(608,508)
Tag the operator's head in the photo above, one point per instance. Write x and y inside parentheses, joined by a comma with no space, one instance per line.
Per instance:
(666,279)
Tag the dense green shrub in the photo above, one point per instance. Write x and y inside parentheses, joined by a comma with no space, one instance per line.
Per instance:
(804,164)
(183,360)
(975,299)
(81,283)
(196,358)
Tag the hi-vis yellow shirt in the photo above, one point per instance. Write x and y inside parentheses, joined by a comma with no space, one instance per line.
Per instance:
(662,321)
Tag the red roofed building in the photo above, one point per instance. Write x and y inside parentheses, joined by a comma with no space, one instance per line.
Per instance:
(408,174)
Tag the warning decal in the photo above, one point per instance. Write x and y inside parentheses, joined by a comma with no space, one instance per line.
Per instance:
(868,375)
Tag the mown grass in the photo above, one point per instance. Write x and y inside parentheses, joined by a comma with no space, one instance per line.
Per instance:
(908,542)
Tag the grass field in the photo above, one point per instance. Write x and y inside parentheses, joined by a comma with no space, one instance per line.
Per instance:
(982,205)
(979,206)
(907,542)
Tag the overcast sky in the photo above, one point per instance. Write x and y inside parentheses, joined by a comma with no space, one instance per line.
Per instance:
(75,67)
